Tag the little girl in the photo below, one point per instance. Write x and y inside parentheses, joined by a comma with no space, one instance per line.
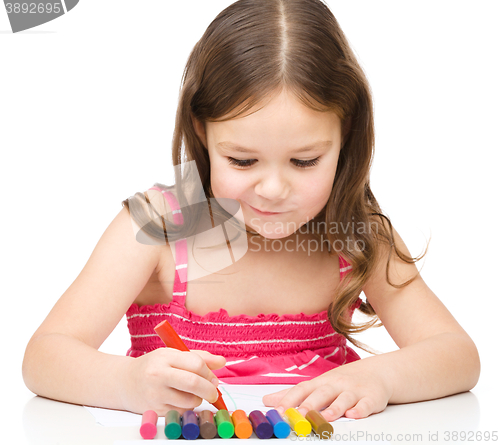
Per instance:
(275,115)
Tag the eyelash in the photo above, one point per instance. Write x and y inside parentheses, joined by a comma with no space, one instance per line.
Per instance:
(246,162)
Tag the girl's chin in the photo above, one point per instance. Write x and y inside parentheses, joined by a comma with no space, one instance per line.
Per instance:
(276,235)
(271,235)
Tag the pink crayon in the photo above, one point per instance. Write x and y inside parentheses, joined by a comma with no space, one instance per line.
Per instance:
(148,424)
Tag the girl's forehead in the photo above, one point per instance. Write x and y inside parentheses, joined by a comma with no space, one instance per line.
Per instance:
(284,102)
(281,120)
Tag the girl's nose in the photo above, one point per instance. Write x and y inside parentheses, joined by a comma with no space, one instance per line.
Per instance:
(272,187)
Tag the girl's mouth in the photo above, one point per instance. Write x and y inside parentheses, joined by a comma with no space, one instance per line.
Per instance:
(265,213)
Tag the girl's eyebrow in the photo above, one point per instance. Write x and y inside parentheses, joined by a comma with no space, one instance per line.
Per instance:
(226,145)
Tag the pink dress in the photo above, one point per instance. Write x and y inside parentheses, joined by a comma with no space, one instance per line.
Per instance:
(267,348)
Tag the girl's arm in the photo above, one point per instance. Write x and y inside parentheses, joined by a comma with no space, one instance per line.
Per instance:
(62,360)
(436,356)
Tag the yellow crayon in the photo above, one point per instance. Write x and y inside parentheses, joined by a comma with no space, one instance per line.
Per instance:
(298,422)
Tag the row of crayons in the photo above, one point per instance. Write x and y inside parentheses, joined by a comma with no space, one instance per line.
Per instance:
(207,425)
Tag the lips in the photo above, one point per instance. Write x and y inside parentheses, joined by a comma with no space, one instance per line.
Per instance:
(266,213)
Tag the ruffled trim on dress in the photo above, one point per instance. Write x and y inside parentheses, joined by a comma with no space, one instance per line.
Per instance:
(222,316)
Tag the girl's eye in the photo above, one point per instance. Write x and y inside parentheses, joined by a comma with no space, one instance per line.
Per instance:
(304,164)
(250,162)
(241,162)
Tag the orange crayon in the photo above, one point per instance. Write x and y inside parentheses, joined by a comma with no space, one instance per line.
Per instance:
(242,426)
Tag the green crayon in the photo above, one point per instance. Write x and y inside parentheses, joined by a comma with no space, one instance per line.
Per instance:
(173,427)
(225,427)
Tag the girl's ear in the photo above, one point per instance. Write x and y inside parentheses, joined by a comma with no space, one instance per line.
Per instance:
(199,129)
(346,128)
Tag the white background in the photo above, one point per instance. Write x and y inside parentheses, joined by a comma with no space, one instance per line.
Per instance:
(87,108)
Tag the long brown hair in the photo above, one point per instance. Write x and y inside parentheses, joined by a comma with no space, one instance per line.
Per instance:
(252,50)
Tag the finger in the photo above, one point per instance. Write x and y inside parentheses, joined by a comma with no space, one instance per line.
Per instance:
(342,403)
(193,362)
(320,397)
(181,399)
(213,361)
(179,409)
(165,397)
(295,396)
(364,408)
(192,384)
(164,408)
(273,398)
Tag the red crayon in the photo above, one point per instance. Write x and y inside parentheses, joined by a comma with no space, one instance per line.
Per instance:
(168,335)
(148,424)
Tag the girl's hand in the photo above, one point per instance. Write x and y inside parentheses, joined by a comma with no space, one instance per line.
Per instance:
(347,390)
(166,379)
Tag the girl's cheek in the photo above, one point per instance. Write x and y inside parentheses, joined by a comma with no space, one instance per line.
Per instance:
(228,185)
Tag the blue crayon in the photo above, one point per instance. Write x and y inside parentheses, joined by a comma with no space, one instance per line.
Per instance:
(280,427)
(190,428)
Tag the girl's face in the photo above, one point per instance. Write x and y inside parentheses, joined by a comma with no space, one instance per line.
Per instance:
(257,160)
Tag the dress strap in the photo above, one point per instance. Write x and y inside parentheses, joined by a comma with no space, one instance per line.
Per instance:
(344,267)
(174,205)
(180,283)
(181,257)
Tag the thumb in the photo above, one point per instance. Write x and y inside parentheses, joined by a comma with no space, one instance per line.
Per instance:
(213,361)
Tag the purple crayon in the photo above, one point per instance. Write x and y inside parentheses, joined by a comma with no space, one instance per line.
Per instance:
(263,429)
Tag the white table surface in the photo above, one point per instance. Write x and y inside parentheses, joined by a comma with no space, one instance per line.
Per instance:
(36,420)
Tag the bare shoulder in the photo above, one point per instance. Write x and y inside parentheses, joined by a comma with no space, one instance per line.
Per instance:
(148,208)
